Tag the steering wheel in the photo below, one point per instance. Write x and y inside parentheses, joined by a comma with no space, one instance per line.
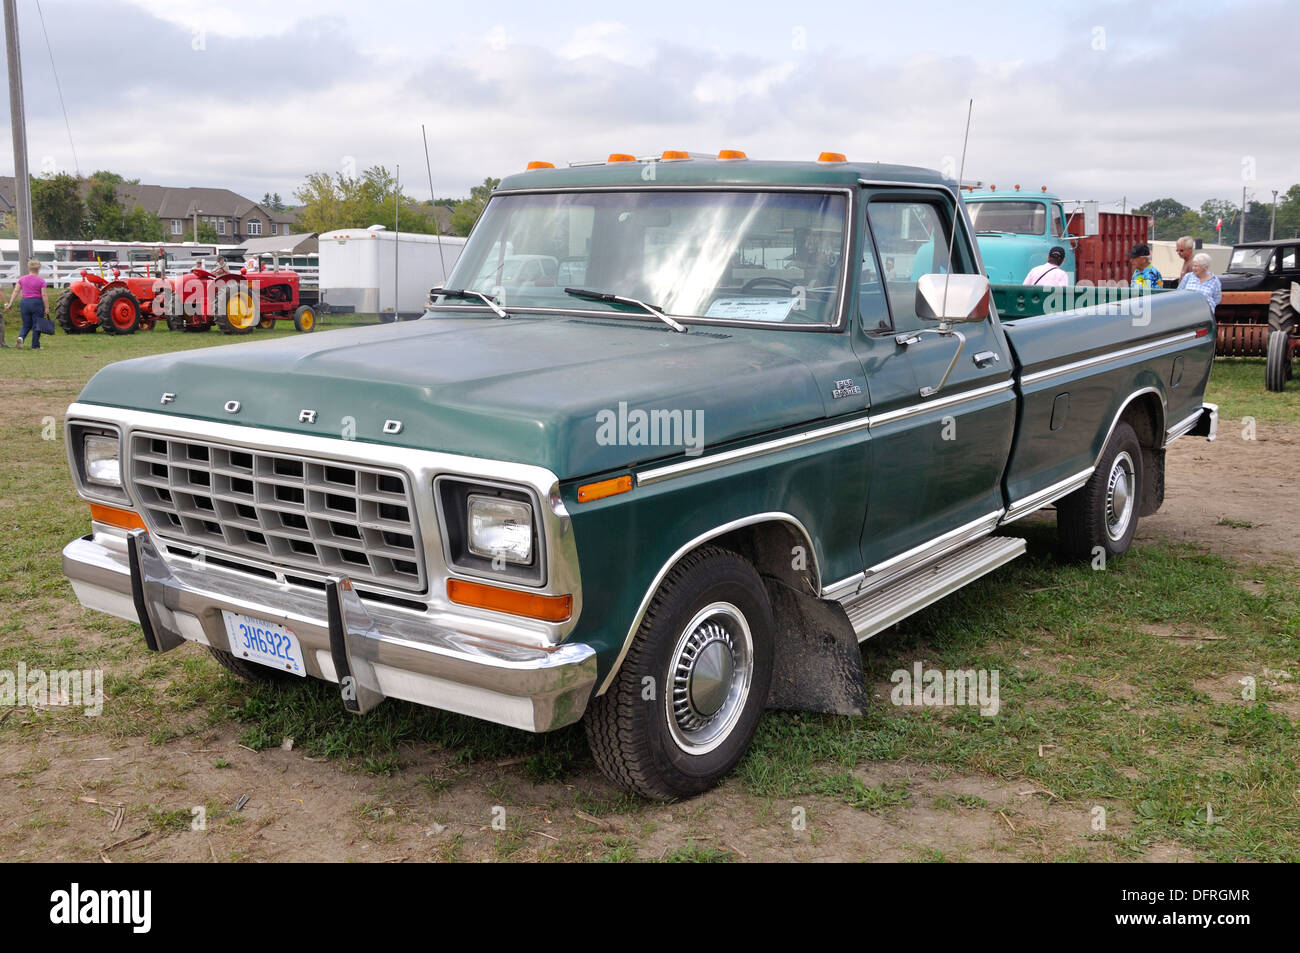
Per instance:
(753,283)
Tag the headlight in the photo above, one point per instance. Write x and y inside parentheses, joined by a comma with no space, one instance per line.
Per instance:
(101,456)
(501,529)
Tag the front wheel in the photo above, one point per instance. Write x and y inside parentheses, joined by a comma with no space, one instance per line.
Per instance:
(683,708)
(304,319)
(1103,513)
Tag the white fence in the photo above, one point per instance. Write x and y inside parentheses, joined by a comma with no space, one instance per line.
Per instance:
(60,274)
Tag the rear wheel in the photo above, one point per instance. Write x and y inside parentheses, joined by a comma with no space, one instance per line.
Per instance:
(1103,513)
(304,319)
(684,706)
(1277,367)
(266,324)
(73,315)
(1281,315)
(119,311)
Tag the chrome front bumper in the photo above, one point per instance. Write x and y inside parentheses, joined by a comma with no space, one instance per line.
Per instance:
(387,652)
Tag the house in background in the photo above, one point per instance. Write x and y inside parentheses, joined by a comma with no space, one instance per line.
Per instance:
(234,218)
(181,210)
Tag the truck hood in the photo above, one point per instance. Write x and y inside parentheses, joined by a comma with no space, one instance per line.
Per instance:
(558,392)
(1242,281)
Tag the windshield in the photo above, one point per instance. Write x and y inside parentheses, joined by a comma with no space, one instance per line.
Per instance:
(1249,259)
(1019,218)
(730,256)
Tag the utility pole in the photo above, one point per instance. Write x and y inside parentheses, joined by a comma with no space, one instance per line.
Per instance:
(1241,226)
(397,237)
(22,179)
(1272,220)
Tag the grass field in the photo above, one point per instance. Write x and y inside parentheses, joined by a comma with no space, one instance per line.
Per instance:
(1119,689)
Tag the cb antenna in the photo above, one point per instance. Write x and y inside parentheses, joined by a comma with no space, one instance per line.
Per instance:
(956,214)
(437,229)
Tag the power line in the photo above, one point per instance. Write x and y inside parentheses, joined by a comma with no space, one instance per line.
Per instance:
(59,88)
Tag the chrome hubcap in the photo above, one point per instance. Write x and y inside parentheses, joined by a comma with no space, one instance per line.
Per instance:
(712,669)
(1119,496)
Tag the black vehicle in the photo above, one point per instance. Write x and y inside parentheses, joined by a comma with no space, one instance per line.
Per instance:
(1267,266)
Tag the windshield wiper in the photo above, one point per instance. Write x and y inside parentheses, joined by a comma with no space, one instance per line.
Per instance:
(619,299)
(467,293)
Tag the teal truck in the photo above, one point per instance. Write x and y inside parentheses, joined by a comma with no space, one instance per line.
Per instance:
(755,413)
(1015,230)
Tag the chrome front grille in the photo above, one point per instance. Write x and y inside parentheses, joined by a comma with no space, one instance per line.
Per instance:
(281,509)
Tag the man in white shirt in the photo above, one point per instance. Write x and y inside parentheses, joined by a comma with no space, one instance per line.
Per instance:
(1050,274)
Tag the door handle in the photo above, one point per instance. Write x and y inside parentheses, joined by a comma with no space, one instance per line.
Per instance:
(985,358)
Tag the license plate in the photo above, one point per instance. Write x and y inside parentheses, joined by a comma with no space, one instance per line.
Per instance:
(267,643)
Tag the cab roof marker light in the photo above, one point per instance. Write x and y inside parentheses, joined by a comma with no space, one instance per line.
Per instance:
(729,155)
(674,155)
(620,157)
(539,164)
(832,157)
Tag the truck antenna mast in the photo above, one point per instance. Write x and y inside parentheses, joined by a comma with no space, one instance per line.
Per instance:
(437,229)
(961,171)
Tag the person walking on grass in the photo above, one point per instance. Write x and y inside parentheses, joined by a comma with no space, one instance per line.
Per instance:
(32,286)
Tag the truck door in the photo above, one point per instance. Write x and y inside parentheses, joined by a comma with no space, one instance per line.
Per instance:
(937,458)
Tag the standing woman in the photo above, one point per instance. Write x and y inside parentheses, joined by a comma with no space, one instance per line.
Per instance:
(32,286)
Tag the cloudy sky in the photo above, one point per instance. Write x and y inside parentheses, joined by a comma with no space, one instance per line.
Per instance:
(1105,101)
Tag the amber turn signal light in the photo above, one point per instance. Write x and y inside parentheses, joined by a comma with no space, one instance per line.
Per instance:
(112,516)
(527,604)
(598,491)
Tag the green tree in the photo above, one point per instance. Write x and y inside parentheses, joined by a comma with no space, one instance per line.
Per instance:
(140,225)
(1214,209)
(1288,213)
(207,233)
(57,209)
(105,218)
(272,202)
(1168,214)
(103,175)
(466,211)
(341,201)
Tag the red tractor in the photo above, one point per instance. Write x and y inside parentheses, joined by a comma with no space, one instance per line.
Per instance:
(119,305)
(236,302)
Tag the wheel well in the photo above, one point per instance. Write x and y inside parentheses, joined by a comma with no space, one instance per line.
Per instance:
(776,548)
(1146,415)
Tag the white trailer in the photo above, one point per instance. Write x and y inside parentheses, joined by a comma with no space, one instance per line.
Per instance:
(361,268)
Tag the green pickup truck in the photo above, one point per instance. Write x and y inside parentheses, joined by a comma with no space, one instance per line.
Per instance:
(743,416)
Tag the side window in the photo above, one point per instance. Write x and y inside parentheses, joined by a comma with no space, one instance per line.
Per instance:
(1288,259)
(912,240)
(1058,216)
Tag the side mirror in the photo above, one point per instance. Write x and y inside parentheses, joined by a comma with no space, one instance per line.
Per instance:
(950,299)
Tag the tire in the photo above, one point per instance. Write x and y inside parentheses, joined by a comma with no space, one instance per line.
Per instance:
(304,319)
(251,671)
(1104,511)
(119,311)
(704,652)
(73,317)
(1277,366)
(1281,316)
(266,324)
(238,312)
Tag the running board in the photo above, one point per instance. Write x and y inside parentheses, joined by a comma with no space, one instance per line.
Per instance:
(881,608)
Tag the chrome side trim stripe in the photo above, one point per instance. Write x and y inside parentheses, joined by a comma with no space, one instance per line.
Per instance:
(940,403)
(699,464)
(1070,368)
(1036,501)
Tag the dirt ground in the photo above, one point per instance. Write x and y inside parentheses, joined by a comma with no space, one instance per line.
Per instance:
(1236,497)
